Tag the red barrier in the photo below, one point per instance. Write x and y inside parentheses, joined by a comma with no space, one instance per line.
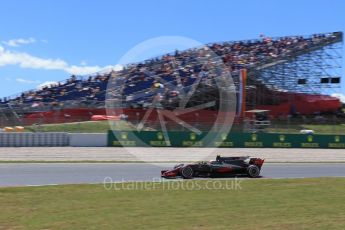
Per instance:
(298,103)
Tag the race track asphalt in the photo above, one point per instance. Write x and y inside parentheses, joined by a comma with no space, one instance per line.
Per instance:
(24,174)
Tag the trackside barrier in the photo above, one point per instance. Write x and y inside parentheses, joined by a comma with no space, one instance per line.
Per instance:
(88,139)
(224,140)
(33,139)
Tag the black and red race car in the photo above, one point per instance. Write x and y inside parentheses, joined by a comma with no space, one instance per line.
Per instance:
(221,167)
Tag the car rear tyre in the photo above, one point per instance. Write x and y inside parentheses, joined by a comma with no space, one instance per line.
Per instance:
(253,171)
(187,172)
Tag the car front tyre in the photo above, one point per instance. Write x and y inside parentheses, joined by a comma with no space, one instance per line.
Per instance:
(187,172)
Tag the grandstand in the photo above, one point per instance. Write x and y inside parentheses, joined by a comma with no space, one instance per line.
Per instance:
(289,75)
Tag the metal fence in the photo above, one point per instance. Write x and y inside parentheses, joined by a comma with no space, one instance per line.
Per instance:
(33,139)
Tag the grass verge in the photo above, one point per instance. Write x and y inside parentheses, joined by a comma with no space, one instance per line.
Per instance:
(81,127)
(318,129)
(256,204)
(103,127)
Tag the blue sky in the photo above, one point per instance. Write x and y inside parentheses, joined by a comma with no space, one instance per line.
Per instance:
(44,41)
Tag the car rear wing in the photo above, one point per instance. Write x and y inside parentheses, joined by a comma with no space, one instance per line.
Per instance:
(257,161)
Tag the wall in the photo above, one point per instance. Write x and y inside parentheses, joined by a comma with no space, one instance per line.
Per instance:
(177,139)
(225,140)
(88,139)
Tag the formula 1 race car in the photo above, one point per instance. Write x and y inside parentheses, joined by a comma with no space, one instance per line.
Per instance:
(221,167)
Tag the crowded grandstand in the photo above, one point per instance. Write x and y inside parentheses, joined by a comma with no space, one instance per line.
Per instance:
(281,76)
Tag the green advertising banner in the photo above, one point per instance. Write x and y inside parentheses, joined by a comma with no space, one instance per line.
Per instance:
(223,140)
